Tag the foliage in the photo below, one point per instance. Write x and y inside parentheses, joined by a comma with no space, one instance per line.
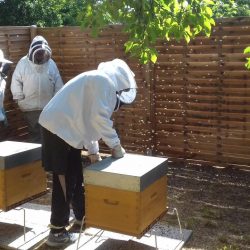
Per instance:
(39,12)
(231,8)
(70,10)
(243,7)
(27,12)
(224,8)
(148,20)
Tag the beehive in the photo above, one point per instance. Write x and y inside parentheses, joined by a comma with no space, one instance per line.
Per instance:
(21,174)
(126,195)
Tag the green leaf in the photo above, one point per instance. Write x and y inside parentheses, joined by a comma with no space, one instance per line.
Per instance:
(176,6)
(153,58)
(211,20)
(128,45)
(187,37)
(207,27)
(247,50)
(209,2)
(188,30)
(209,11)
(167,36)
(248,63)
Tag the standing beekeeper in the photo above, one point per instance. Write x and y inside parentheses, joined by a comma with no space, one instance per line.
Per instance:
(3,75)
(35,81)
(77,117)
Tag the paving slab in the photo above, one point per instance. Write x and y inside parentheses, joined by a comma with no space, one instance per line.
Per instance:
(36,218)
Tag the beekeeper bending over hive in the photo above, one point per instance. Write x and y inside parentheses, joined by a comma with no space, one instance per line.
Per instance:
(76,118)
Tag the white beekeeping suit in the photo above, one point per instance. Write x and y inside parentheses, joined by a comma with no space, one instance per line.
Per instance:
(3,62)
(80,112)
(76,118)
(35,81)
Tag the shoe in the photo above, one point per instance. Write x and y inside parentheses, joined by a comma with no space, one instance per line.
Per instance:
(78,222)
(61,239)
(76,226)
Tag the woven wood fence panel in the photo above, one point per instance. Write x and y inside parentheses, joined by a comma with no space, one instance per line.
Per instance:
(202,97)
(192,104)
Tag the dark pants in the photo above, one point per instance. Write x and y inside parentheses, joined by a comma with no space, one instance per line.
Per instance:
(61,159)
(60,209)
(31,118)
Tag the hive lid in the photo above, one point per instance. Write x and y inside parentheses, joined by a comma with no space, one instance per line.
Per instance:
(14,153)
(132,172)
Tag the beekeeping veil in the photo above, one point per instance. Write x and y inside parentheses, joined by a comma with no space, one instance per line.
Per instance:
(123,80)
(39,52)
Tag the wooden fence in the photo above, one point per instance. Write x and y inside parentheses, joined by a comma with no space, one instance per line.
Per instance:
(193,104)
(202,97)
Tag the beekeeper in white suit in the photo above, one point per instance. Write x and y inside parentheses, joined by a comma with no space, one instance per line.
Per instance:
(3,75)
(77,117)
(35,81)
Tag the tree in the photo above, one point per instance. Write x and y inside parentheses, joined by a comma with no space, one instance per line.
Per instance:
(39,12)
(231,8)
(243,7)
(28,12)
(224,8)
(70,10)
(148,20)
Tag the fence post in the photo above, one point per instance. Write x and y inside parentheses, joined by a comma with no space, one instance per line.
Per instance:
(33,31)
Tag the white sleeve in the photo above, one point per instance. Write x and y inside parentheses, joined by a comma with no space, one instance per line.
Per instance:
(17,83)
(105,127)
(2,85)
(102,119)
(57,77)
(98,104)
(2,89)
(92,147)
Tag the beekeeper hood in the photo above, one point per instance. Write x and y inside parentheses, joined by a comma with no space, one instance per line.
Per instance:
(39,51)
(2,59)
(4,65)
(123,80)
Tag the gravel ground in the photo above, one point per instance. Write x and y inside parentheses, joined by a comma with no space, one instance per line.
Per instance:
(214,203)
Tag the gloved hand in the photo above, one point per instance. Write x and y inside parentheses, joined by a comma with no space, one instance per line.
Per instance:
(95,158)
(118,151)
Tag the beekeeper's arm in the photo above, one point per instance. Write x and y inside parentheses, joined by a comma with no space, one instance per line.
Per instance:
(93,151)
(104,125)
(17,82)
(57,77)
(109,136)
